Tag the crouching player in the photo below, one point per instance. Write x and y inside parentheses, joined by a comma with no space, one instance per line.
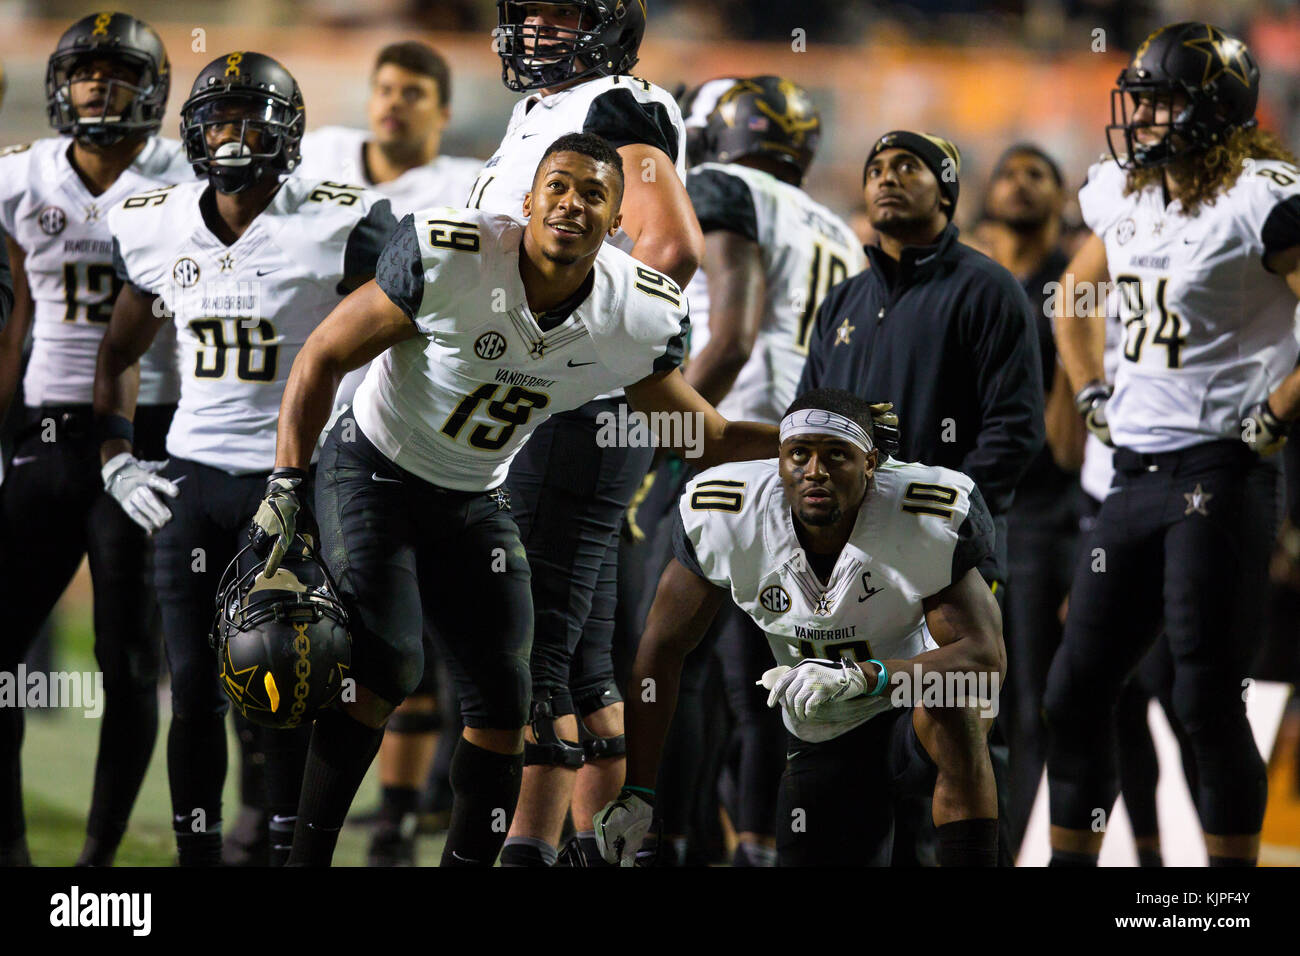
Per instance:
(861,573)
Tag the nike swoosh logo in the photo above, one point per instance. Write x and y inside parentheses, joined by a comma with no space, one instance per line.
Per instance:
(26,459)
(397,481)
(177,481)
(573,364)
(524,136)
(461,858)
(267,272)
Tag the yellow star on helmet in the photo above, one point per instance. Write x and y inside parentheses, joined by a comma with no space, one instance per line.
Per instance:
(1223,54)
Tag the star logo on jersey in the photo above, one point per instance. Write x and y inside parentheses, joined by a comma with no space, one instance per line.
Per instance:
(185,272)
(1197,500)
(1157,228)
(823,605)
(1223,55)
(92,213)
(501,497)
(843,332)
(490,346)
(775,599)
(52,220)
(1125,231)
(227,263)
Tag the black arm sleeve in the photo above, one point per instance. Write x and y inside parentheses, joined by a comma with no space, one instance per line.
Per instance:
(1282,227)
(6,282)
(365,244)
(683,550)
(620,119)
(976,538)
(675,353)
(400,269)
(1001,338)
(722,202)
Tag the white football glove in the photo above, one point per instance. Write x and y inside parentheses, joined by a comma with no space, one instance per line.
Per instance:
(621,826)
(807,687)
(136,486)
(1091,404)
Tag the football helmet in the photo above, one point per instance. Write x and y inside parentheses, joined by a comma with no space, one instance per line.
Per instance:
(282,642)
(1211,68)
(537,57)
(696,105)
(123,39)
(257,95)
(764,116)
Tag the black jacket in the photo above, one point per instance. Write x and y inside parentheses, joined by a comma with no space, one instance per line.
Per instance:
(949,337)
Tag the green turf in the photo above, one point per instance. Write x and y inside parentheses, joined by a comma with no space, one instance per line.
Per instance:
(58,766)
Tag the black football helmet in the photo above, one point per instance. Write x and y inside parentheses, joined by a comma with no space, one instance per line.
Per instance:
(257,93)
(696,105)
(123,39)
(604,45)
(764,116)
(1214,71)
(282,642)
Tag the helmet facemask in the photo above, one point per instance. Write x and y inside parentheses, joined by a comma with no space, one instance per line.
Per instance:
(141,113)
(264,126)
(537,56)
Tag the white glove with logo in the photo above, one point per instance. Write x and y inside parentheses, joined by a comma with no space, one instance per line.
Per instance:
(621,826)
(1263,431)
(810,685)
(136,486)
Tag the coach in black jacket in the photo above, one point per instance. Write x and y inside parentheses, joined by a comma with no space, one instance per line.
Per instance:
(940,330)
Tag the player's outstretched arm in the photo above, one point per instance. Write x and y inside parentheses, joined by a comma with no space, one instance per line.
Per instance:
(131,330)
(683,607)
(734,267)
(1078,314)
(701,435)
(657,214)
(1285,400)
(15,332)
(362,326)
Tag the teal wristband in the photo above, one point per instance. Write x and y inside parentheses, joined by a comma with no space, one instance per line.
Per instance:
(882,680)
(647,791)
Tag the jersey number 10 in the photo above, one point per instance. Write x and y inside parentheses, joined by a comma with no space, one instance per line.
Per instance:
(827,270)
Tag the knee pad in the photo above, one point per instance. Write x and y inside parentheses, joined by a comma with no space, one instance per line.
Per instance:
(597,748)
(417,723)
(550,750)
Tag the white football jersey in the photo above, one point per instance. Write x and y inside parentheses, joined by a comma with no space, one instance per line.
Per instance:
(335,153)
(455,404)
(47,209)
(920,529)
(243,311)
(622,109)
(805,250)
(1207,329)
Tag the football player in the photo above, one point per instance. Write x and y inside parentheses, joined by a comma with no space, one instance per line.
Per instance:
(484,325)
(245,264)
(569,493)
(855,570)
(771,253)
(1196,220)
(410,93)
(106,90)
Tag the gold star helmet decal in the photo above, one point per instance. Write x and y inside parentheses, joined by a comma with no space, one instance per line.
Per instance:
(1223,54)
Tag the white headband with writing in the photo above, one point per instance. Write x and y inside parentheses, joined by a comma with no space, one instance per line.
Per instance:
(818,421)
